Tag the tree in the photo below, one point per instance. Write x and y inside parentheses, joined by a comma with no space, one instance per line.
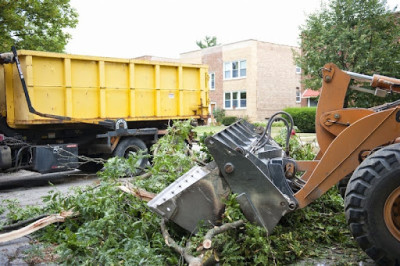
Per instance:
(357,35)
(209,41)
(36,24)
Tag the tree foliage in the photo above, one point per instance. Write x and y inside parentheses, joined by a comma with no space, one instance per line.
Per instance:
(36,24)
(116,228)
(357,35)
(209,41)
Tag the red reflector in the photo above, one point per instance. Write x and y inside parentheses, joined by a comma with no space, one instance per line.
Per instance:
(1,137)
(72,145)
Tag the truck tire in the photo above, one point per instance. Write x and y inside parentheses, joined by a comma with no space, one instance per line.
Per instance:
(91,167)
(372,205)
(127,145)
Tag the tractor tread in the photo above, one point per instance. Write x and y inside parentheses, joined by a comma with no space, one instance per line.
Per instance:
(361,186)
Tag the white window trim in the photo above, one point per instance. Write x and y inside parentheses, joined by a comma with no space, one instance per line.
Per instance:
(209,85)
(298,91)
(236,108)
(298,70)
(231,69)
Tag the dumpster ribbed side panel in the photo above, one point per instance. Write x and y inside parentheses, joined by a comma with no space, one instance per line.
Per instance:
(93,89)
(3,106)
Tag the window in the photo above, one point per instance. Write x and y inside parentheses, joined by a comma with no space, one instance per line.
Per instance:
(212,81)
(228,100)
(235,69)
(298,70)
(227,70)
(298,95)
(312,102)
(236,99)
(243,68)
(243,99)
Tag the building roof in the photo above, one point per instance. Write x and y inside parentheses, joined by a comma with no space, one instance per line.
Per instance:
(233,43)
(309,93)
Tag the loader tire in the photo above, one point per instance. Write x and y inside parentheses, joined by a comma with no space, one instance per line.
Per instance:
(372,205)
(135,145)
(342,185)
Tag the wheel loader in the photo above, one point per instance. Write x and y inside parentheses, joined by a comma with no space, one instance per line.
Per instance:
(360,143)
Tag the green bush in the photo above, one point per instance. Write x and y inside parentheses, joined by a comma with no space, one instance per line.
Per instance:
(228,120)
(219,115)
(303,117)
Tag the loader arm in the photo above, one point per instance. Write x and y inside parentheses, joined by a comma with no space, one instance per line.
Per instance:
(343,134)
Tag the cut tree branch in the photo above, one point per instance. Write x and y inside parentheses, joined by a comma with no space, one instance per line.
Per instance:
(191,260)
(185,252)
(22,223)
(39,224)
(137,192)
(218,230)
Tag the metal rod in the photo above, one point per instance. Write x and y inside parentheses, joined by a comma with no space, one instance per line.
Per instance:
(360,77)
(352,87)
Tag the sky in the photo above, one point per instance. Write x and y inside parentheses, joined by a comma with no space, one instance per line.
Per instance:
(166,28)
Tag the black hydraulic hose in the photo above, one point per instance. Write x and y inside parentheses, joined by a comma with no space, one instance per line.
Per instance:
(17,158)
(287,134)
(25,89)
(267,130)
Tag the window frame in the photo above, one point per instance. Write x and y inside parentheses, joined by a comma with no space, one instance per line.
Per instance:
(299,95)
(229,69)
(238,100)
(212,79)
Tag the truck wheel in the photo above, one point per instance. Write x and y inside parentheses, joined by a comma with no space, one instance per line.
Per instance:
(372,205)
(128,145)
(91,167)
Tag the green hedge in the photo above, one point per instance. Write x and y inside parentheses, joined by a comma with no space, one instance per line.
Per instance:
(303,117)
(228,120)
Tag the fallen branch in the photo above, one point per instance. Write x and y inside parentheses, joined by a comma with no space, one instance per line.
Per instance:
(185,252)
(218,230)
(137,192)
(22,223)
(143,176)
(191,260)
(39,224)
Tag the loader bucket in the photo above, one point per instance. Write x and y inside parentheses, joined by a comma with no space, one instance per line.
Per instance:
(249,165)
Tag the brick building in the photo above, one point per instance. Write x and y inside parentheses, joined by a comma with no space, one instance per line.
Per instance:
(250,78)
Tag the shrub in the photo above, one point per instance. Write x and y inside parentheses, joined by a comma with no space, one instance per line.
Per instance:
(228,120)
(219,114)
(303,117)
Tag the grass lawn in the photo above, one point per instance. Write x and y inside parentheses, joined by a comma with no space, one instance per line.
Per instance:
(208,129)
